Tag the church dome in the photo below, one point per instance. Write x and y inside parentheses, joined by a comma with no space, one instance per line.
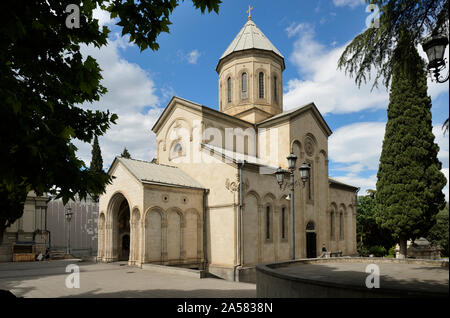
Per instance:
(250,37)
(250,76)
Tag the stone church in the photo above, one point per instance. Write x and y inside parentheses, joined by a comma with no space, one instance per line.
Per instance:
(210,199)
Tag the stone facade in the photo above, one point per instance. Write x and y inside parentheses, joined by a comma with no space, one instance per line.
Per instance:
(237,216)
(30,228)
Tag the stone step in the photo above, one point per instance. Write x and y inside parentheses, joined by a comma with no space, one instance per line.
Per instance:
(175,270)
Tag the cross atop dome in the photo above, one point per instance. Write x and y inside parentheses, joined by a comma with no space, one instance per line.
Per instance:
(249,11)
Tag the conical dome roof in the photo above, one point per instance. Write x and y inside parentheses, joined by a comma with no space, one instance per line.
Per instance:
(250,37)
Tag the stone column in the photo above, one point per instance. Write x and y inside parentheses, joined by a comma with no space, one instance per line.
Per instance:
(143,256)
(259,244)
(182,231)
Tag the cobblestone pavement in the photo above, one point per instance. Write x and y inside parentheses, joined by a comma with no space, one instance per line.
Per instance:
(47,279)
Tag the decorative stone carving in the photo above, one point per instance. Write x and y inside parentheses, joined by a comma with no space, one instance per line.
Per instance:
(309,146)
(232,186)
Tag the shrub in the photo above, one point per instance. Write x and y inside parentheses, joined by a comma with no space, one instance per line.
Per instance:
(377,251)
(362,250)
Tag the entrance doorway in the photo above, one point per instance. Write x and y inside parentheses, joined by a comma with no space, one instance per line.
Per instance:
(124,231)
(311,249)
(125,253)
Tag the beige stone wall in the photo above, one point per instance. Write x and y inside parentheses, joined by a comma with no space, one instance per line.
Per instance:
(33,217)
(213,173)
(263,241)
(172,226)
(309,142)
(169,230)
(273,143)
(341,216)
(30,227)
(126,185)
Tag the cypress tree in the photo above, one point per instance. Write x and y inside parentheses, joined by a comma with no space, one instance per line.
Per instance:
(96,161)
(125,153)
(409,187)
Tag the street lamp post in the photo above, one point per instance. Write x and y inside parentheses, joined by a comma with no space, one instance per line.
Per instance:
(68,215)
(304,175)
(434,46)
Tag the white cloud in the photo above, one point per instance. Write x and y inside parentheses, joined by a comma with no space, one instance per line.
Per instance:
(445,190)
(190,57)
(350,3)
(331,89)
(364,183)
(103,17)
(442,141)
(321,82)
(130,90)
(443,154)
(129,86)
(193,56)
(294,28)
(356,148)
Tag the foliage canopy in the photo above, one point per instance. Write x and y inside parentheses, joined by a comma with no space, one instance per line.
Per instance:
(43,81)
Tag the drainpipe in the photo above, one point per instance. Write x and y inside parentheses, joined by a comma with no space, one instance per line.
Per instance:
(205,232)
(239,221)
(356,227)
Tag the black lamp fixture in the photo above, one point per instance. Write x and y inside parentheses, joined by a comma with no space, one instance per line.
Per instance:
(69,214)
(279,174)
(434,46)
(304,172)
(292,159)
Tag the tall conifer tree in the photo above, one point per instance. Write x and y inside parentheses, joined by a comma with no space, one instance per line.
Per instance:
(409,187)
(125,153)
(96,160)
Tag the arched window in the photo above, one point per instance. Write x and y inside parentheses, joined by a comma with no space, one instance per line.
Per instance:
(332,226)
(244,94)
(261,85)
(177,150)
(268,222)
(341,226)
(310,226)
(283,222)
(229,89)
(275,93)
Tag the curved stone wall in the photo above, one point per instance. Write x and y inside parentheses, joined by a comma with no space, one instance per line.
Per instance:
(276,281)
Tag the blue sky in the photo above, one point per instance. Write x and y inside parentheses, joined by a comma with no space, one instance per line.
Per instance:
(310,34)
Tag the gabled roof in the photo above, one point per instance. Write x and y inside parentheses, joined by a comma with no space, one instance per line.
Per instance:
(250,37)
(199,108)
(152,173)
(296,111)
(341,184)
